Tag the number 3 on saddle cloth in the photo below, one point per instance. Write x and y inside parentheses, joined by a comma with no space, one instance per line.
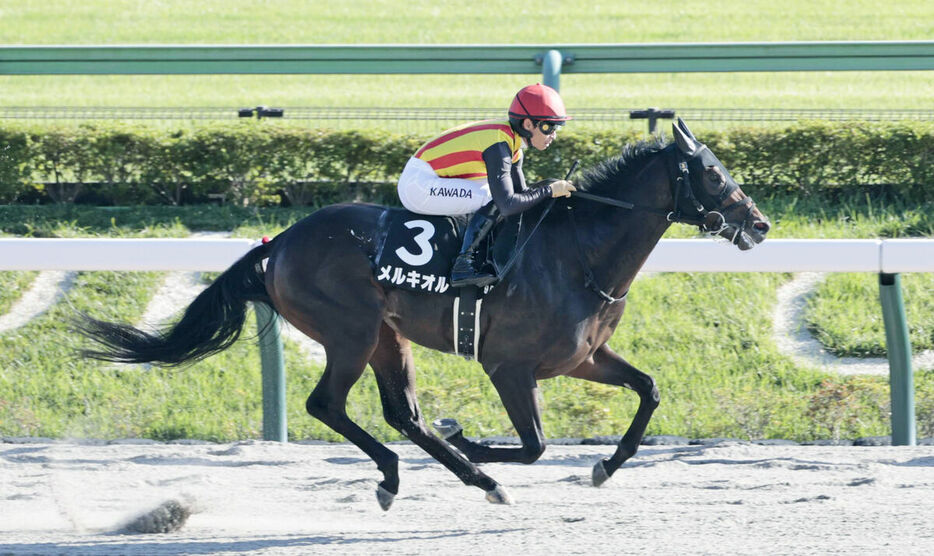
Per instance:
(415,252)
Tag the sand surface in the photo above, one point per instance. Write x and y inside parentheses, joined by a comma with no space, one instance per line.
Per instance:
(267,498)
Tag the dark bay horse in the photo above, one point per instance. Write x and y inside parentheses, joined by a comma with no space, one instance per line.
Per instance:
(550,315)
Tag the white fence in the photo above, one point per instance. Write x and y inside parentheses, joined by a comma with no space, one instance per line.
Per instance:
(888,256)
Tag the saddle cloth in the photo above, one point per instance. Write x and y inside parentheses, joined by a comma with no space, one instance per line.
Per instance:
(416,251)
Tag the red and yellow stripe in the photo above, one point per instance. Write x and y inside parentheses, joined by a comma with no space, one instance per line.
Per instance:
(458,152)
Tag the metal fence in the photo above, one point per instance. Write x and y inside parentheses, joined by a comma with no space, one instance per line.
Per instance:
(549,59)
(415,120)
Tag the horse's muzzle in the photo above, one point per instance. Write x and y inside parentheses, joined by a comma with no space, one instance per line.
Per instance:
(748,234)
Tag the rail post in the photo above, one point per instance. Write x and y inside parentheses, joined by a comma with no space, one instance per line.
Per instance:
(273,365)
(898,346)
(652,115)
(551,69)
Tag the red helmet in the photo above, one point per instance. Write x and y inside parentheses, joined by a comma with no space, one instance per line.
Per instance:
(538,102)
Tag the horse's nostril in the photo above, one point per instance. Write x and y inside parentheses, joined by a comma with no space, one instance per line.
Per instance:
(762,226)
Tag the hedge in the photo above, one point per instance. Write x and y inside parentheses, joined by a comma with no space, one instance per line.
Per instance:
(264,162)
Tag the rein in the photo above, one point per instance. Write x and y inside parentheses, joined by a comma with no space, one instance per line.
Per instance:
(590,280)
(545,212)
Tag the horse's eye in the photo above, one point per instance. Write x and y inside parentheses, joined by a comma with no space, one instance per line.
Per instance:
(715,174)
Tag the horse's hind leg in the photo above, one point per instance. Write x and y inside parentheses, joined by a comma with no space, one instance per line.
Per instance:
(395,376)
(609,368)
(519,393)
(345,365)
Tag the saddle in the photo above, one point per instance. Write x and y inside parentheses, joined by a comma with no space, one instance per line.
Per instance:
(415,252)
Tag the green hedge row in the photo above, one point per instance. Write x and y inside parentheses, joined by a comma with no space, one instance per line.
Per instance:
(267,162)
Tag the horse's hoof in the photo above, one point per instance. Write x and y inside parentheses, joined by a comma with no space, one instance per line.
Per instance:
(447,427)
(498,496)
(384,497)
(599,474)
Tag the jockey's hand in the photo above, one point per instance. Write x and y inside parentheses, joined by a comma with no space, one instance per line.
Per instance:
(562,188)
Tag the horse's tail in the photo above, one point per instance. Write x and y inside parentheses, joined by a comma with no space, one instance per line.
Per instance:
(210,324)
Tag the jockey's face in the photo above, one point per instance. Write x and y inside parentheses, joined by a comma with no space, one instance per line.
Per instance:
(539,140)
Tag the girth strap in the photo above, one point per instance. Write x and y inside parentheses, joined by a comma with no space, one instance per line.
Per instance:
(467,322)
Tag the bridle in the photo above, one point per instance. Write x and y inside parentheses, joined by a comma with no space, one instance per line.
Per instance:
(710,221)
(686,209)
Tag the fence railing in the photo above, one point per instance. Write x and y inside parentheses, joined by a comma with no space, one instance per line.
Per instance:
(548,60)
(888,258)
(478,59)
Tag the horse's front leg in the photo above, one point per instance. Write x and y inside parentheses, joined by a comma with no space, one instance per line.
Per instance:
(606,367)
(518,391)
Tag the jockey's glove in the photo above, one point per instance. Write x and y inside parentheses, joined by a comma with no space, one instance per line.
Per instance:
(562,188)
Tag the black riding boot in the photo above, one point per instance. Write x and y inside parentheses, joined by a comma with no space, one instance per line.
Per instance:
(465,271)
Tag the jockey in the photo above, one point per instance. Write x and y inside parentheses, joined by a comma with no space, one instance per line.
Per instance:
(477,168)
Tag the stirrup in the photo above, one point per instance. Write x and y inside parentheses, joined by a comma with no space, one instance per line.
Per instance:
(470,276)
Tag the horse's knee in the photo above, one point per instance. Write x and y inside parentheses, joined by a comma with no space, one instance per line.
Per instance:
(318,407)
(408,425)
(531,451)
(404,425)
(648,391)
(653,398)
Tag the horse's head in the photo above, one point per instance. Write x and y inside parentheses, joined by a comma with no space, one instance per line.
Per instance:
(706,194)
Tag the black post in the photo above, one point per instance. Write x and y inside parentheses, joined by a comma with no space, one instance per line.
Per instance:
(261,112)
(652,115)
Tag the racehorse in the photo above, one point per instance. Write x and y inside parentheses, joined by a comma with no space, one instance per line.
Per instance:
(551,314)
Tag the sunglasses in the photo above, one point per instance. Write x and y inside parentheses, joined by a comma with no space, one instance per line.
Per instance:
(549,127)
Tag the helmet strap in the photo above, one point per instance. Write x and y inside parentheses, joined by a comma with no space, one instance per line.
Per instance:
(516,124)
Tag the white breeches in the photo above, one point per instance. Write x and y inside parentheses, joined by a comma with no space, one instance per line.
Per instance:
(424,192)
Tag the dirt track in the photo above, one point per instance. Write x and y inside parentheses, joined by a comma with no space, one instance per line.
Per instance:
(262,497)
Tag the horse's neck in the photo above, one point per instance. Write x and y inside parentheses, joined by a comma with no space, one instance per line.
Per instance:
(617,247)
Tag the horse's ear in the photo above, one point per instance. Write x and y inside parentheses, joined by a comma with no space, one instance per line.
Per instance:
(684,138)
(684,128)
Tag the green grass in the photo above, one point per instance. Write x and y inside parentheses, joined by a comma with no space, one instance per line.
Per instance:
(12,286)
(395,22)
(791,90)
(705,338)
(427,22)
(844,313)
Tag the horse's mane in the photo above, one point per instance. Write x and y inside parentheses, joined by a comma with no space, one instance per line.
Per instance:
(608,176)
